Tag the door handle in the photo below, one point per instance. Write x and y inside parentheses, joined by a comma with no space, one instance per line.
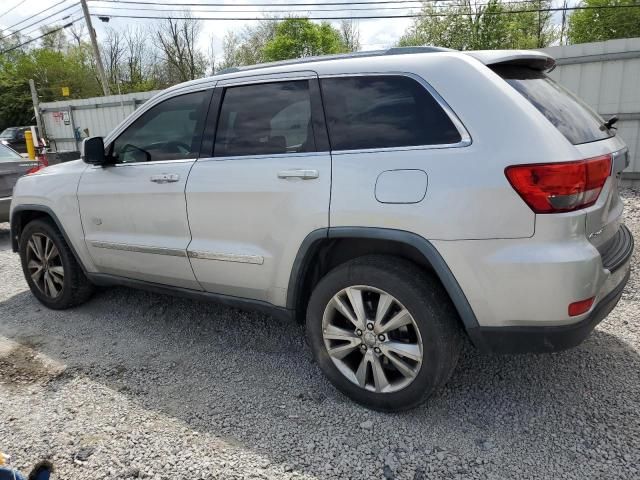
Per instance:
(303,174)
(165,178)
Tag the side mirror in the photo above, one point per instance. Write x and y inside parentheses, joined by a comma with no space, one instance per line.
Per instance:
(93,151)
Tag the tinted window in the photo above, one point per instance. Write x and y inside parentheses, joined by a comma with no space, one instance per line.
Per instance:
(169,131)
(269,118)
(575,120)
(8,155)
(383,111)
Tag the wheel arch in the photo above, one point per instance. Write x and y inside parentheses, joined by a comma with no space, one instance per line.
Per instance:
(317,255)
(21,215)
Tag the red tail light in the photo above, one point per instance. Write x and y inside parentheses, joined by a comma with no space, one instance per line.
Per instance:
(560,187)
(42,162)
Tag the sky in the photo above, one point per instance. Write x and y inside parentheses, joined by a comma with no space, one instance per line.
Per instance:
(374,33)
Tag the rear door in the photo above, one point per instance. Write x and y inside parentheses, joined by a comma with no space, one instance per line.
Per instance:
(261,187)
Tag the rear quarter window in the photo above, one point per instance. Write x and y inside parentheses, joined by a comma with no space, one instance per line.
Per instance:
(383,112)
(570,115)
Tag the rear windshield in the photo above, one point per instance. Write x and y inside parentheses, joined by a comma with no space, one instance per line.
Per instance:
(8,155)
(9,132)
(575,119)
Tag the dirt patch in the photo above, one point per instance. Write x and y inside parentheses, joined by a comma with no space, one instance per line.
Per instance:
(21,365)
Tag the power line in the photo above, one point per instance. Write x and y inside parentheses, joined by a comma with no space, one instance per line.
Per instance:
(371,17)
(38,21)
(156,9)
(317,8)
(13,8)
(288,4)
(40,27)
(51,32)
(34,15)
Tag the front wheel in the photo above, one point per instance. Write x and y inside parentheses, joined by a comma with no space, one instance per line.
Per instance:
(383,331)
(50,268)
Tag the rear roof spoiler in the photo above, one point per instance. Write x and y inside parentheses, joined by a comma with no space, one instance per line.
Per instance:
(524,58)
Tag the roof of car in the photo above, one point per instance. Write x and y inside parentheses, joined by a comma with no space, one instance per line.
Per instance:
(530,58)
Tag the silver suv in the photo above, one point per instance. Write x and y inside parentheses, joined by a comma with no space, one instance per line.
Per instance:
(398,202)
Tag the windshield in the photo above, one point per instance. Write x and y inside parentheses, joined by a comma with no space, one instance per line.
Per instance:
(8,155)
(570,115)
(9,132)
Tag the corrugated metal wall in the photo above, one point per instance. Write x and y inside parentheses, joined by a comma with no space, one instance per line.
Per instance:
(607,76)
(67,122)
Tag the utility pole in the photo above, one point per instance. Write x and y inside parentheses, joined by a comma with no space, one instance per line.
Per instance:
(36,107)
(96,50)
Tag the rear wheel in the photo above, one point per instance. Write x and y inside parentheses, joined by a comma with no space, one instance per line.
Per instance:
(384,332)
(50,268)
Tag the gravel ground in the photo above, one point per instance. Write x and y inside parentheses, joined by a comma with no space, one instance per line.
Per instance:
(134,384)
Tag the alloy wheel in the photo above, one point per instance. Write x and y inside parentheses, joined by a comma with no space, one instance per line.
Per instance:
(45,265)
(372,339)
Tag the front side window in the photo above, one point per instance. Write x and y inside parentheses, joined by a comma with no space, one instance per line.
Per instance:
(383,112)
(263,119)
(171,130)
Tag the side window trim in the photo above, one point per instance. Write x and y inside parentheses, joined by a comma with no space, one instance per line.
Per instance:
(211,123)
(201,122)
(318,119)
(465,137)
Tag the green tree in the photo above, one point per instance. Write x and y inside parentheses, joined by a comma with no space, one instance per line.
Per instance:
(247,47)
(300,37)
(494,25)
(51,70)
(601,24)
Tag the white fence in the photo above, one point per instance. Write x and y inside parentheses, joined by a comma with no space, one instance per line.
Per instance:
(607,76)
(66,123)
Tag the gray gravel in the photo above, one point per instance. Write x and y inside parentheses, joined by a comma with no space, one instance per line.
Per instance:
(134,384)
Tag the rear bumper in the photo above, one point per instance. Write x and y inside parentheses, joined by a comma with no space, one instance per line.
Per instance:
(5,204)
(549,338)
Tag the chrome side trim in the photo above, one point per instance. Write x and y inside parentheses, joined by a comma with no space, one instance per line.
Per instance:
(267,78)
(465,137)
(263,156)
(174,252)
(144,164)
(226,257)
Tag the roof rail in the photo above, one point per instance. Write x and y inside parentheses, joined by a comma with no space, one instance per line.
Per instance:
(339,56)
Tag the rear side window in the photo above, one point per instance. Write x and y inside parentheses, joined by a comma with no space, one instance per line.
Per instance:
(383,112)
(570,115)
(265,119)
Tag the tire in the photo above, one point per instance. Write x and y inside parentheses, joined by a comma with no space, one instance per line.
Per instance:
(434,326)
(63,271)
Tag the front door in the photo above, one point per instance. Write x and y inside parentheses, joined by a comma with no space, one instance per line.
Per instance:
(265,187)
(134,211)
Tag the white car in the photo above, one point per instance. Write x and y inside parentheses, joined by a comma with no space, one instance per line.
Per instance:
(395,201)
